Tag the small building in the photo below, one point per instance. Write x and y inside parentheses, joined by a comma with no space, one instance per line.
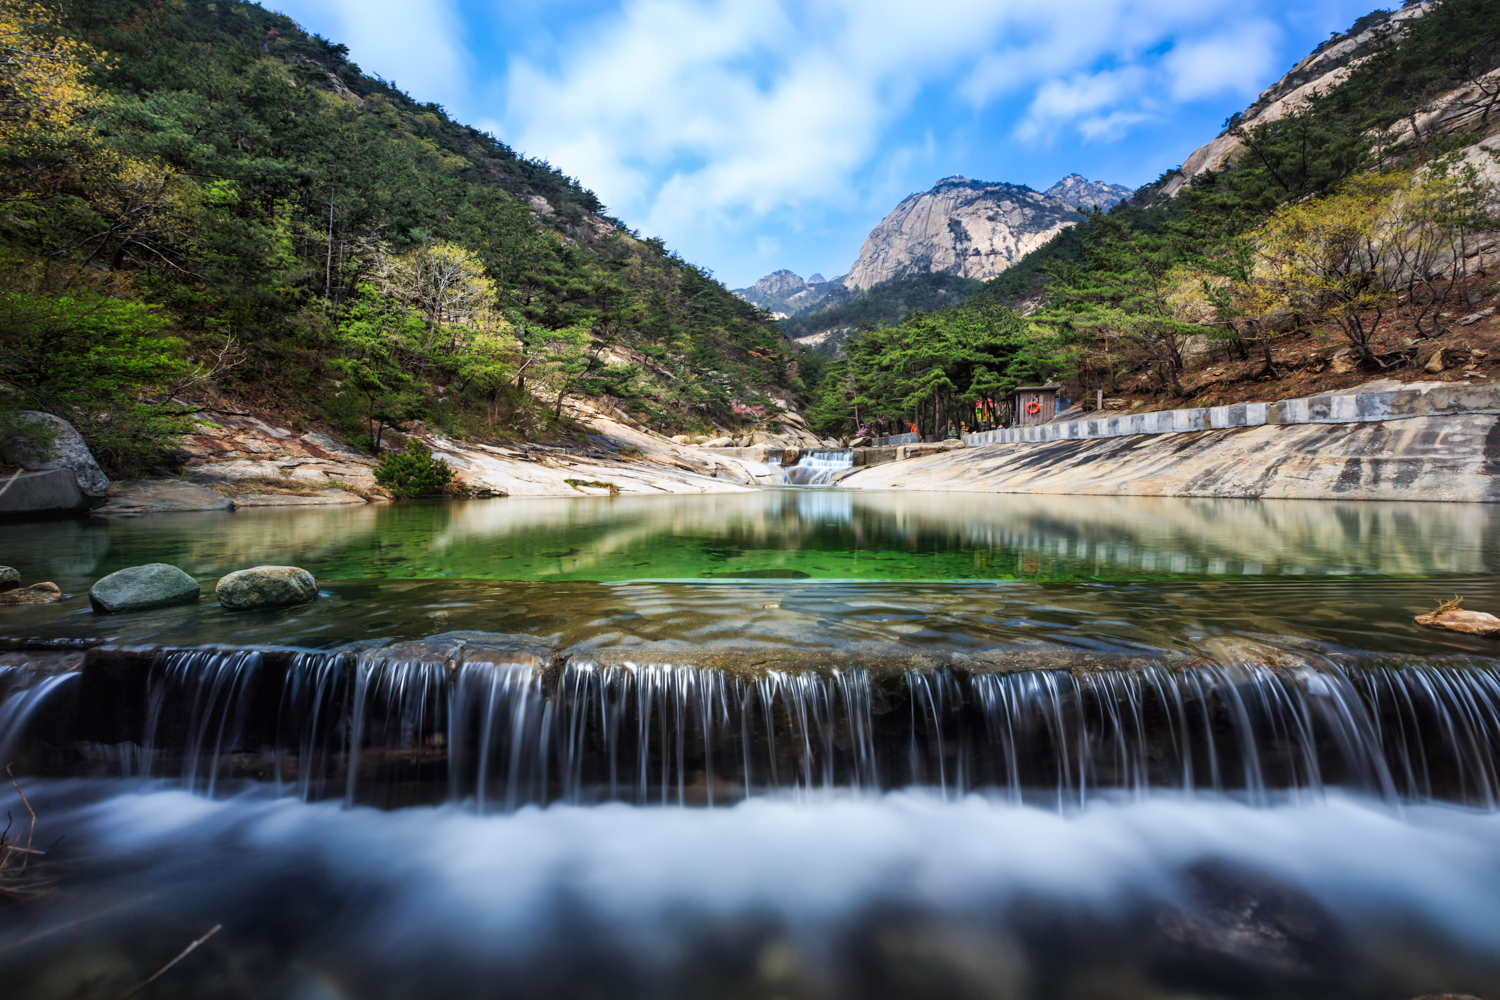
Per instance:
(1034,404)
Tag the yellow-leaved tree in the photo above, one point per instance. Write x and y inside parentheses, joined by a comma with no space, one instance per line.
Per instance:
(1332,258)
(42,86)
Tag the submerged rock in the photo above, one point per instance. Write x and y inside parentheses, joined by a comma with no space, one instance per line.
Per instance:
(9,578)
(42,442)
(37,593)
(267,587)
(154,585)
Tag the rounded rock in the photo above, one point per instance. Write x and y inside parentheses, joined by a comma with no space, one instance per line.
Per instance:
(266,587)
(43,442)
(154,585)
(9,578)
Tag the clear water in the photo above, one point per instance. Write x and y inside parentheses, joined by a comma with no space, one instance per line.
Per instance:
(811,570)
(954,746)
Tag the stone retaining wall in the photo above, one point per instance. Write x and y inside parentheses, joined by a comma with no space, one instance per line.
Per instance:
(1425,399)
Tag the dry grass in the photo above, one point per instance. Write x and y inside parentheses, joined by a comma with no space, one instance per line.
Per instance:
(1452,604)
(15,860)
(578,485)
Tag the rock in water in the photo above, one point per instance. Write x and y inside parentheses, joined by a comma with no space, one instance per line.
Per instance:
(37,593)
(9,578)
(267,587)
(41,441)
(154,585)
(1459,620)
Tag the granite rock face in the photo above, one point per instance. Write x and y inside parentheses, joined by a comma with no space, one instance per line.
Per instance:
(266,587)
(965,227)
(137,588)
(1075,189)
(43,442)
(51,492)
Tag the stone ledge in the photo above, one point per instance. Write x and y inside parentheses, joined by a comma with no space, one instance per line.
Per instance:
(1420,400)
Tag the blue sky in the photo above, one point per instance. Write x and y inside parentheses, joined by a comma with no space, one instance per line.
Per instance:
(759,135)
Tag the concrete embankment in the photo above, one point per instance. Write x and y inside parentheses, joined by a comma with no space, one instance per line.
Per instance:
(1430,441)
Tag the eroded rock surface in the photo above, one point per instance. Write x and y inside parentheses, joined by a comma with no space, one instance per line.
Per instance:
(1452,458)
(961,226)
(257,461)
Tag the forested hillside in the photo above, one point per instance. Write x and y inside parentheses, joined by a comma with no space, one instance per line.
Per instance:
(826,327)
(1348,235)
(201,196)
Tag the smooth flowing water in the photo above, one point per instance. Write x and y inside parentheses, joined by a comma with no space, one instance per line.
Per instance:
(797,743)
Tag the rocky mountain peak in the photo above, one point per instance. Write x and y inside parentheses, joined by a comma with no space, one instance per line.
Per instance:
(962,226)
(779,284)
(1075,189)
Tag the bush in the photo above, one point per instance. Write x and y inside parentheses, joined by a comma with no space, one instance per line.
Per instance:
(413,471)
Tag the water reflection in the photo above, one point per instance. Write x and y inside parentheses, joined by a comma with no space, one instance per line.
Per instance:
(786,534)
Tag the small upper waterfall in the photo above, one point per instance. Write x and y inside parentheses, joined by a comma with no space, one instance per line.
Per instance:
(400,728)
(815,468)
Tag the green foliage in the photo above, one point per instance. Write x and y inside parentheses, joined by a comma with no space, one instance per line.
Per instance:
(1453,46)
(106,365)
(412,471)
(885,303)
(377,261)
(932,369)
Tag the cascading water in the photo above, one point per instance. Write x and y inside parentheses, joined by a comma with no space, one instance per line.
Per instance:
(396,731)
(816,468)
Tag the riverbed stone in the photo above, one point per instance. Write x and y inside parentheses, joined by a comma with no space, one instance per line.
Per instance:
(267,587)
(1462,620)
(137,588)
(9,578)
(37,593)
(42,441)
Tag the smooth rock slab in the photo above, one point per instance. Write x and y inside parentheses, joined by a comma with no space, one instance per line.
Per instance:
(9,578)
(154,585)
(267,587)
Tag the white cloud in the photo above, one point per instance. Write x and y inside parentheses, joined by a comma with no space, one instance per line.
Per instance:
(1236,63)
(416,43)
(688,115)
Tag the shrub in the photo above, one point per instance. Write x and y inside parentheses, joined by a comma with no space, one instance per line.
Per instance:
(412,471)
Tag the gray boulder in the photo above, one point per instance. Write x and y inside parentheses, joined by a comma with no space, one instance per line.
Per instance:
(42,442)
(154,585)
(53,492)
(266,587)
(9,578)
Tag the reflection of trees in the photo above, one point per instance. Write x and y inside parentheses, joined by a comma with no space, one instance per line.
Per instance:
(1136,534)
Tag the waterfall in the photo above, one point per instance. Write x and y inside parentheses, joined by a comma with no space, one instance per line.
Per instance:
(352,725)
(816,468)
(23,690)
